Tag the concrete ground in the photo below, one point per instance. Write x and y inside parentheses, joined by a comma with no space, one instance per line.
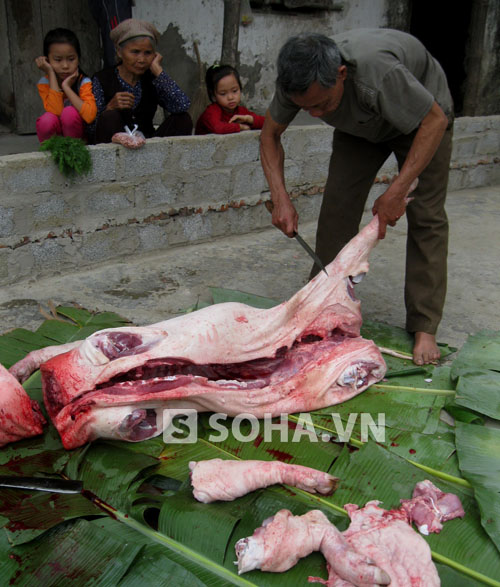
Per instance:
(158,286)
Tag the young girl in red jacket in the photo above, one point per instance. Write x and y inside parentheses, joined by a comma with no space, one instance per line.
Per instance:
(66,92)
(225,115)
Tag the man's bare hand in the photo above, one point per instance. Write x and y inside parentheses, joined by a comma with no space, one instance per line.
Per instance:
(121,101)
(391,205)
(285,216)
(43,64)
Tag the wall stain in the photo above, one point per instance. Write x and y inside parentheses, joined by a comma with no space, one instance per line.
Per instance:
(179,59)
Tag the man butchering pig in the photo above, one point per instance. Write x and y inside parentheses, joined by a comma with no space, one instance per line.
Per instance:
(302,355)
(384,93)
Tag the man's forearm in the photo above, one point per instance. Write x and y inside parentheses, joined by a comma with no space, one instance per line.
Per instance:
(424,146)
(272,157)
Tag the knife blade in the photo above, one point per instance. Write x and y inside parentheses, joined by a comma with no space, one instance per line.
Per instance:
(41,484)
(310,252)
(269,205)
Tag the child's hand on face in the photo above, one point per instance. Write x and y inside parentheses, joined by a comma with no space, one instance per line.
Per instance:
(69,81)
(43,64)
(243,119)
(155,66)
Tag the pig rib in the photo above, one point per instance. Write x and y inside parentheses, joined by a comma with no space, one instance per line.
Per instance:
(20,416)
(284,539)
(218,480)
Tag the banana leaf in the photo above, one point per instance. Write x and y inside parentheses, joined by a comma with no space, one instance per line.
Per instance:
(375,473)
(67,553)
(103,470)
(171,562)
(479,390)
(271,441)
(144,488)
(14,345)
(395,338)
(480,351)
(478,449)
(31,514)
(214,529)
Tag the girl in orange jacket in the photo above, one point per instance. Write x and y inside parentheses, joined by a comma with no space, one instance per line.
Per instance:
(66,92)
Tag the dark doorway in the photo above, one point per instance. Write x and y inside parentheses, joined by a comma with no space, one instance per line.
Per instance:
(443,27)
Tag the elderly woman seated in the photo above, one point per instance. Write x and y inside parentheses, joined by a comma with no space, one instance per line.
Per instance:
(129,93)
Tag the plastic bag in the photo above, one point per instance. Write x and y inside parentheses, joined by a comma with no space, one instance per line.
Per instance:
(132,139)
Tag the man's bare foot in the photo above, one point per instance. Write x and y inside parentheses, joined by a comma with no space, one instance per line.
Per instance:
(425,349)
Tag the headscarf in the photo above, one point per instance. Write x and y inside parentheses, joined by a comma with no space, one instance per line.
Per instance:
(131,28)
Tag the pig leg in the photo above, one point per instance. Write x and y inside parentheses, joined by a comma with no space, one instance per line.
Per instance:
(284,539)
(225,480)
(32,361)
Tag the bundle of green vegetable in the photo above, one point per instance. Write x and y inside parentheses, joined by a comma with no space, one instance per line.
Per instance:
(71,155)
(142,525)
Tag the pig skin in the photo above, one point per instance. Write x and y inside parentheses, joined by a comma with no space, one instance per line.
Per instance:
(392,552)
(284,539)
(219,480)
(388,539)
(85,398)
(20,416)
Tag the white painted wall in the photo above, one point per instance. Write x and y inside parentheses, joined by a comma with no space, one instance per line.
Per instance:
(259,42)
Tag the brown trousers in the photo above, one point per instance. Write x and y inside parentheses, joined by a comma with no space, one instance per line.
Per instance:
(353,167)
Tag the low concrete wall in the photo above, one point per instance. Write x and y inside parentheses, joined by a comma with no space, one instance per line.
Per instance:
(178,191)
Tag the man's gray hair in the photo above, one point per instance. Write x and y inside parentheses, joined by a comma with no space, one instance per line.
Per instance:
(305,59)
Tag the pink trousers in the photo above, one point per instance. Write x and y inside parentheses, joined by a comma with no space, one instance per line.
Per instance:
(69,124)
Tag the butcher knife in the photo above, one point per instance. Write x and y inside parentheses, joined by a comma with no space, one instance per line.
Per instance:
(302,242)
(41,484)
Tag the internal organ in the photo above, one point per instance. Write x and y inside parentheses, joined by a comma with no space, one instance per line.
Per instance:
(284,539)
(301,355)
(20,416)
(216,479)
(430,506)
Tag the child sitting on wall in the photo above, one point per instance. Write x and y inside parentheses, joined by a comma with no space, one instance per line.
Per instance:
(225,115)
(66,92)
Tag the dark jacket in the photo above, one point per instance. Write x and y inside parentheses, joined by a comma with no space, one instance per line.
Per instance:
(144,112)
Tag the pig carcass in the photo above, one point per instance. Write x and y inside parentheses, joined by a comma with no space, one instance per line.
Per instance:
(379,547)
(219,480)
(303,354)
(20,416)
